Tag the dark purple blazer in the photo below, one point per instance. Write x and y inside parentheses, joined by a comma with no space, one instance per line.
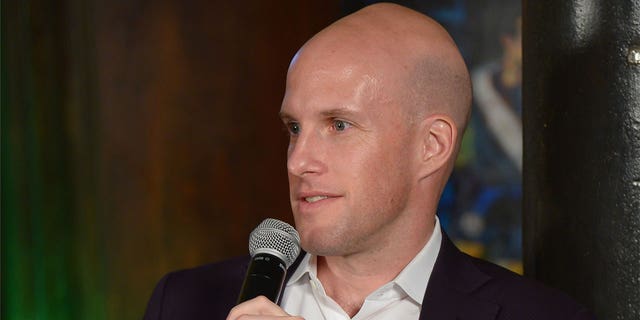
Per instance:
(461,287)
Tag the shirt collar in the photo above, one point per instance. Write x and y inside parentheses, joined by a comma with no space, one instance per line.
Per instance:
(413,279)
(306,267)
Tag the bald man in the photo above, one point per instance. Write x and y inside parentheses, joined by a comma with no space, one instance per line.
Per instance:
(376,105)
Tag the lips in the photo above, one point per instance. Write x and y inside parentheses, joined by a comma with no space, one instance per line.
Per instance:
(315,198)
(312,204)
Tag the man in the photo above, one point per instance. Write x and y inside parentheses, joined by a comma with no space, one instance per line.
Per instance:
(376,105)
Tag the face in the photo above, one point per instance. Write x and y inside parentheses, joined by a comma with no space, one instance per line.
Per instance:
(350,158)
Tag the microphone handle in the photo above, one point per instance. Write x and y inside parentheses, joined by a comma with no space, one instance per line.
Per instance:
(265,277)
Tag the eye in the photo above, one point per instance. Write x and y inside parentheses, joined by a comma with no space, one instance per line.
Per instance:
(294,128)
(340,125)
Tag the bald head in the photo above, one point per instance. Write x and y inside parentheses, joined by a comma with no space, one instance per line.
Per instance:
(411,58)
(375,105)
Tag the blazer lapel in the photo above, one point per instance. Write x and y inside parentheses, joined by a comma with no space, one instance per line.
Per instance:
(449,294)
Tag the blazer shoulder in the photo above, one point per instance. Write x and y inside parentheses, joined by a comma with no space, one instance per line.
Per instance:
(469,288)
(207,291)
(521,297)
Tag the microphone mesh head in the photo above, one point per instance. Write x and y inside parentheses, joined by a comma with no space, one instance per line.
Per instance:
(275,237)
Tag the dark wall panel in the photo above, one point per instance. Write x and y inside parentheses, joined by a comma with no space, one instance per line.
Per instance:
(582,151)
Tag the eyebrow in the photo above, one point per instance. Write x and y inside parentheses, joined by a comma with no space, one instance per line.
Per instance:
(284,116)
(337,112)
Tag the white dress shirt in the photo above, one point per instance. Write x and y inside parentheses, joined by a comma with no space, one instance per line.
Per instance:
(401,298)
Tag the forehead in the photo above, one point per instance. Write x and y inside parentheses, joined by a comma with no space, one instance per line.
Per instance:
(321,90)
(336,78)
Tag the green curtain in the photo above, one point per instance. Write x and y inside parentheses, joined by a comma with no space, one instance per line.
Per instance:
(52,246)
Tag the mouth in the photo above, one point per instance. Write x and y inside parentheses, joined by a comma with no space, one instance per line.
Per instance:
(307,203)
(314,198)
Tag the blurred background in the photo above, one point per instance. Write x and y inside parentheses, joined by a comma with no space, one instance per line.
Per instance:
(140,137)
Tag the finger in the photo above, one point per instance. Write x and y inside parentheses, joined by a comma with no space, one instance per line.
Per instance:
(252,317)
(256,306)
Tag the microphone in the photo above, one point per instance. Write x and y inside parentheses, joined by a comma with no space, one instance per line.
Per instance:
(274,245)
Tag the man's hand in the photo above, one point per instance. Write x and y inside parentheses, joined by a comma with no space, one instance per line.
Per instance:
(259,308)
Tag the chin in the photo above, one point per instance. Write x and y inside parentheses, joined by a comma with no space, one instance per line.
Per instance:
(323,245)
(323,239)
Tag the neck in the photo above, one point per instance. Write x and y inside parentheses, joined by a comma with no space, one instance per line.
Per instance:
(349,279)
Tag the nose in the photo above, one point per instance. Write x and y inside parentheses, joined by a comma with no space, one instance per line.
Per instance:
(304,155)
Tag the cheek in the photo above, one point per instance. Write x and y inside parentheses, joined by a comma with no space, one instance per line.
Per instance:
(383,173)
(392,157)
(374,167)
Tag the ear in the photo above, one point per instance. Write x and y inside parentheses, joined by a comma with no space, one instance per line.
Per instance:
(439,136)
